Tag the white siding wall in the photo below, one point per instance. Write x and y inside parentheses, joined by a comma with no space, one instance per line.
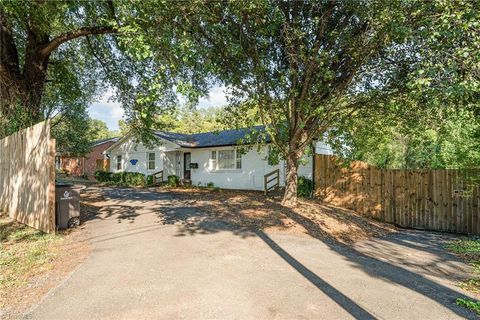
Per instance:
(169,164)
(254,167)
(323,148)
(249,177)
(130,150)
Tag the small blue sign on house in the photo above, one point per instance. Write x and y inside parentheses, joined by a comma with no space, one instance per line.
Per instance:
(133,161)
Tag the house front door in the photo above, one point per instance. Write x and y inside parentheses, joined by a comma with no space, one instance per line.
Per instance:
(186,165)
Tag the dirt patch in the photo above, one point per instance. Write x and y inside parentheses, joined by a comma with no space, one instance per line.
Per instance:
(254,210)
(32,263)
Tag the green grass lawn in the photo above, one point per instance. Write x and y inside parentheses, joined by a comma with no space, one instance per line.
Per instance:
(33,262)
(469,250)
(24,253)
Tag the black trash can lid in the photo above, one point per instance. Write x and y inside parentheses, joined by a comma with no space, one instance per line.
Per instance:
(63,184)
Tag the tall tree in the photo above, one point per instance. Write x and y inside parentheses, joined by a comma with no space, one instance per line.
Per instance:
(450,138)
(187,119)
(308,66)
(296,61)
(99,130)
(76,131)
(31,31)
(58,55)
(72,133)
(196,120)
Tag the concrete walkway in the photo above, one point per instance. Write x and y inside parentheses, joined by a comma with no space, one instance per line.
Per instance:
(153,257)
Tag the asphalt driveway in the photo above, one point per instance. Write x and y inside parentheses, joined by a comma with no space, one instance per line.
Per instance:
(154,256)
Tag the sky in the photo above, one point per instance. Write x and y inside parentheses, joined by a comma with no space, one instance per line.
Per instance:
(110,112)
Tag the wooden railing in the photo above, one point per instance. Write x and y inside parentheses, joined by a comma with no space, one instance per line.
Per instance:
(157,177)
(267,180)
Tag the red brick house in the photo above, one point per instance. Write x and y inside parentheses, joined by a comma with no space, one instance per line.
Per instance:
(87,165)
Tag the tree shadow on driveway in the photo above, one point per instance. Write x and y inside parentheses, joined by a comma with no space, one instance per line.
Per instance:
(341,299)
(377,268)
(197,218)
(384,270)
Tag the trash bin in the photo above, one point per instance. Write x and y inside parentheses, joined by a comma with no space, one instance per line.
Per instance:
(67,206)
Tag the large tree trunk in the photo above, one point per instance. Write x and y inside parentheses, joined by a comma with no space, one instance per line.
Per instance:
(35,74)
(290,195)
(10,74)
(23,88)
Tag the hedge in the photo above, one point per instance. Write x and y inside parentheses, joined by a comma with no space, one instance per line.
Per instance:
(173,181)
(103,176)
(135,179)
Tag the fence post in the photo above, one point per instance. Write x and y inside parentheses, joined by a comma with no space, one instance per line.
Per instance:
(51,185)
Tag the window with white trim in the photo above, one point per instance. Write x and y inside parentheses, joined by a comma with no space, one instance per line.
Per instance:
(119,162)
(238,159)
(151,161)
(229,159)
(226,159)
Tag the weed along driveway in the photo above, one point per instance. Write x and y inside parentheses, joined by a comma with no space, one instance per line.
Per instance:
(204,255)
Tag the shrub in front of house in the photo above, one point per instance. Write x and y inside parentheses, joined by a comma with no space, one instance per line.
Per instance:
(305,187)
(136,179)
(130,179)
(103,176)
(117,177)
(210,185)
(173,181)
(149,180)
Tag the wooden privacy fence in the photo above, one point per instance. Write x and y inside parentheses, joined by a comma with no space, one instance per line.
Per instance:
(441,200)
(27,177)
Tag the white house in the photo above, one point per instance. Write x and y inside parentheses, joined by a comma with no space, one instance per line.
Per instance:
(203,158)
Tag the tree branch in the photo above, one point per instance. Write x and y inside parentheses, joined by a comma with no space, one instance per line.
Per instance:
(85,31)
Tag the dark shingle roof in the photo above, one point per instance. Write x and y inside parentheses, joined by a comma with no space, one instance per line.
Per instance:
(209,139)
